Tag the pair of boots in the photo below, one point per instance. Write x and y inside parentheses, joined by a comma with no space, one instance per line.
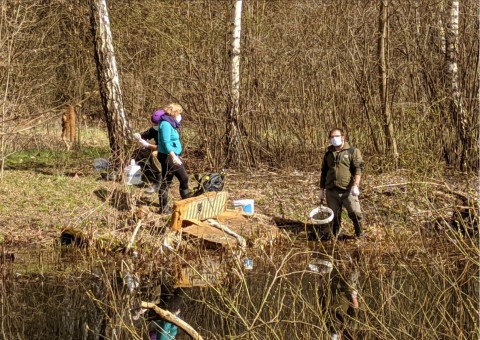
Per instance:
(336,229)
(163,198)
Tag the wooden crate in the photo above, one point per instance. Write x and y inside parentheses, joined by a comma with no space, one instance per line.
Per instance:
(205,206)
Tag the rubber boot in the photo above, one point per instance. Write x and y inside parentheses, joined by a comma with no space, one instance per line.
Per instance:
(336,229)
(163,200)
(185,193)
(358,228)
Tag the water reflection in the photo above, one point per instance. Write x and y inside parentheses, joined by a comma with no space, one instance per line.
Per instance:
(75,295)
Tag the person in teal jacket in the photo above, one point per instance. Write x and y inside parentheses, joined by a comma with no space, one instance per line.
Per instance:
(173,302)
(164,330)
(169,151)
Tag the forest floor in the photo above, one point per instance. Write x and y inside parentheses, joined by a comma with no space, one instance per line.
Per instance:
(41,197)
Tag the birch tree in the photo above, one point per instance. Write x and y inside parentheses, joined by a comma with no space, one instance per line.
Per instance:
(235,154)
(456,107)
(109,81)
(383,80)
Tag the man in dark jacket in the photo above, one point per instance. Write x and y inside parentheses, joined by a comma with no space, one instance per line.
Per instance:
(340,180)
(146,156)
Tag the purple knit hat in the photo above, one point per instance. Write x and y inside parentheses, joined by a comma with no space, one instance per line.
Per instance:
(156,116)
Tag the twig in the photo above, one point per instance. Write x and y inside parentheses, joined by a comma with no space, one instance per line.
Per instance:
(227,230)
(405,183)
(445,185)
(166,315)
(33,122)
(134,235)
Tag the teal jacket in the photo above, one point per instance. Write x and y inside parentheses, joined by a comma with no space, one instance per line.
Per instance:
(164,330)
(168,139)
(168,331)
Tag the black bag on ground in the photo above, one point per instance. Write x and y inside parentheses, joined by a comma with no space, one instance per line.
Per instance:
(209,182)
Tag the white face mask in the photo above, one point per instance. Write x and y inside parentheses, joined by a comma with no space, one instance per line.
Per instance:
(336,141)
(178,118)
(155,127)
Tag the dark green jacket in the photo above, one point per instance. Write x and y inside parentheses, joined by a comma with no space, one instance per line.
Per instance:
(336,293)
(338,168)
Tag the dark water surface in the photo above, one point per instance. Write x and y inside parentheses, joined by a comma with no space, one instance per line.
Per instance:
(60,294)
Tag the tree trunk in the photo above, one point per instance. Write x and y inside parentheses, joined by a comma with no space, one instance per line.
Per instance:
(383,81)
(109,82)
(441,29)
(456,107)
(235,154)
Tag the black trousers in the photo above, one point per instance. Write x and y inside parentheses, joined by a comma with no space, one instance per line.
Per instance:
(170,170)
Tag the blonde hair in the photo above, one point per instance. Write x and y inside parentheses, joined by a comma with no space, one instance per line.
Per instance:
(173,109)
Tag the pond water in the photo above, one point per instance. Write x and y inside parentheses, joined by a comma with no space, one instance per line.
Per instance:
(73,294)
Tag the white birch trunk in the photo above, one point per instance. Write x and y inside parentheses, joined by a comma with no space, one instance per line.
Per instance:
(109,81)
(456,106)
(237,27)
(234,147)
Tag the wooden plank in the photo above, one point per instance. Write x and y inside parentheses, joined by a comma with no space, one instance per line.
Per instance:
(204,231)
(206,271)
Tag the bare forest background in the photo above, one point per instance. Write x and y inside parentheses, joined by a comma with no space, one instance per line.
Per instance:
(382,70)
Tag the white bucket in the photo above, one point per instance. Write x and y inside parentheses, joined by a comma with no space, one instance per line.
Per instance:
(133,174)
(100,164)
(247,205)
(324,210)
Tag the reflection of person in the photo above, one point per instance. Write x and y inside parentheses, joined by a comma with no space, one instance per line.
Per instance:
(145,156)
(162,329)
(169,150)
(338,299)
(340,179)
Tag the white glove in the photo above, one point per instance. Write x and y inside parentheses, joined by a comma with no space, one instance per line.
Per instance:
(176,160)
(143,143)
(321,196)
(355,191)
(137,136)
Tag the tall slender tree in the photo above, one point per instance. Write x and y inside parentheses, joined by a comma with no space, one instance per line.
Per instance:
(109,81)
(383,80)
(456,106)
(235,154)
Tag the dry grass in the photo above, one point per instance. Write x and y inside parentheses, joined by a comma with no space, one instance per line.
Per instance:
(417,275)
(38,202)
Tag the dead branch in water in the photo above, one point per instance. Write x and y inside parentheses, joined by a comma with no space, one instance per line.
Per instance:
(164,314)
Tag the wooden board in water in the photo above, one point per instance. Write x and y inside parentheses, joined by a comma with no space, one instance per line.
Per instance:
(204,231)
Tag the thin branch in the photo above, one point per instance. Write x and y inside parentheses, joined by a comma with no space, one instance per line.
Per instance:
(164,314)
